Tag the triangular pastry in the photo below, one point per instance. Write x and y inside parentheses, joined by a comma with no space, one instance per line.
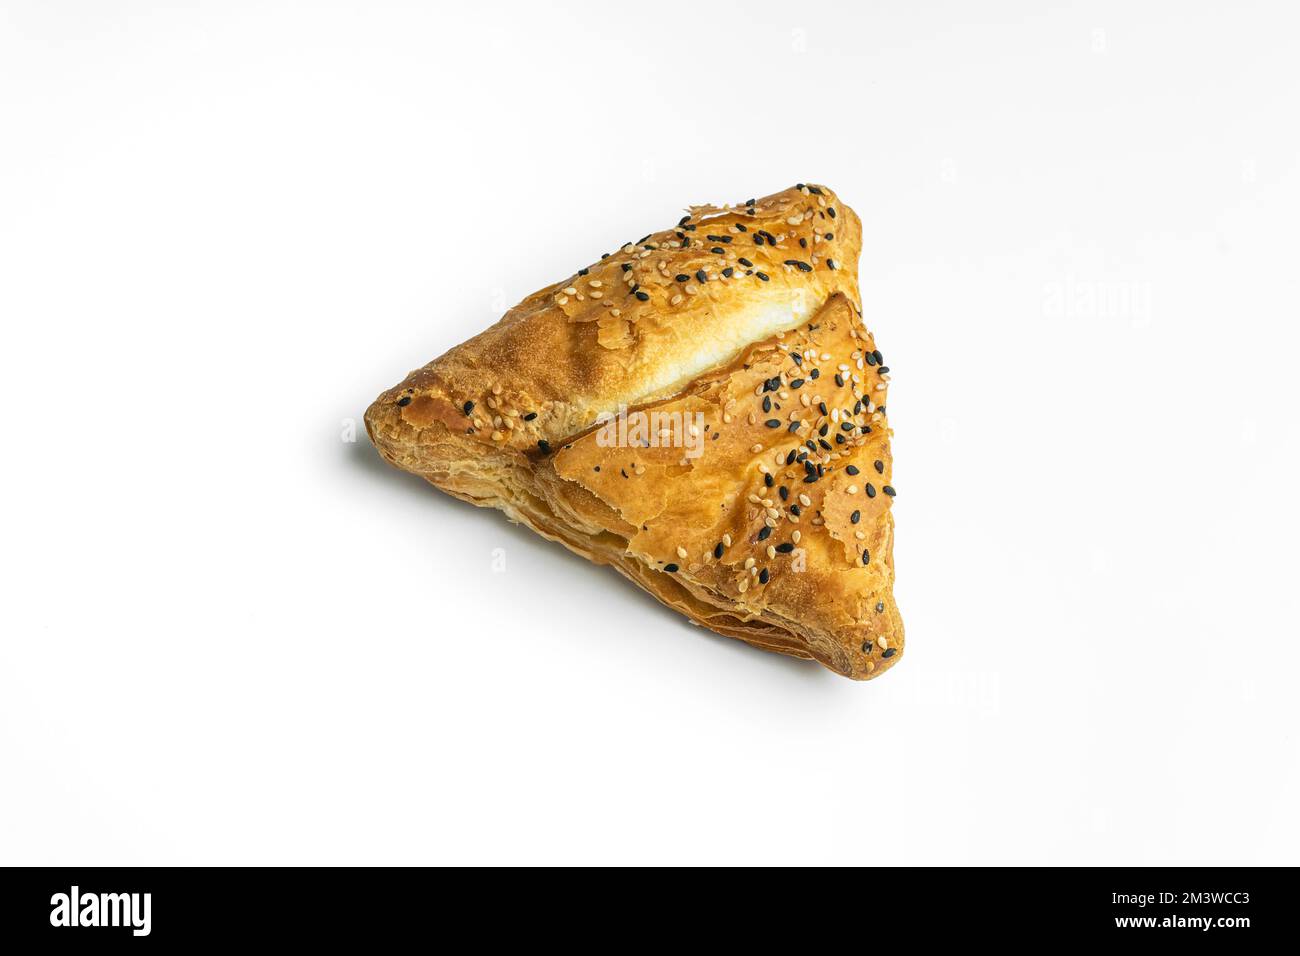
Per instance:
(704,410)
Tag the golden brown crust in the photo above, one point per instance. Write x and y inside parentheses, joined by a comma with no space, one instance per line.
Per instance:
(744,478)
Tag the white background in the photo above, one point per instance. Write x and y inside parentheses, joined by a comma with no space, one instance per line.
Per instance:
(230,636)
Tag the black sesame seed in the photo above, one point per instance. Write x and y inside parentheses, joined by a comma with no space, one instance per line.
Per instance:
(824,429)
(798,264)
(785,548)
(768,480)
(795,510)
(811,479)
(789,459)
(830,211)
(866,647)
(728,272)
(880,607)
(796,358)
(763,532)
(851,469)
(761,275)
(701,275)
(866,556)
(847,426)
(796,383)
(830,264)
(763,576)
(718,250)
(643,296)
(880,467)
(839,379)
(825,444)
(871,358)
(880,359)
(889,652)
(717,550)
(870,489)
(767,403)
(530,416)
(821,407)
(793,427)
(784,492)
(816,374)
(772,384)
(682,277)
(467,408)
(670,568)
(889,490)
(404,401)
(803,243)
(855,517)
(745,262)
(773,423)
(627,267)
(544,445)
(758,239)
(684,220)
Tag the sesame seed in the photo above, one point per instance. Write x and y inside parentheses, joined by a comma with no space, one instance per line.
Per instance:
(763,576)
(404,401)
(644,297)
(467,408)
(890,652)
(544,445)
(761,276)
(889,490)
(785,548)
(670,568)
(851,469)
(855,517)
(799,264)
(763,533)
(871,490)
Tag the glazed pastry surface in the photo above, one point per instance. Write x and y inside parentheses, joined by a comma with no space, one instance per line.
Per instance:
(703,410)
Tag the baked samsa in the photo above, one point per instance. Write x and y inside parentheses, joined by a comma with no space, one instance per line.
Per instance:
(702,409)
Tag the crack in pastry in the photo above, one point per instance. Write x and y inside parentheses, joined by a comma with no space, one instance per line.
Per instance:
(702,410)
